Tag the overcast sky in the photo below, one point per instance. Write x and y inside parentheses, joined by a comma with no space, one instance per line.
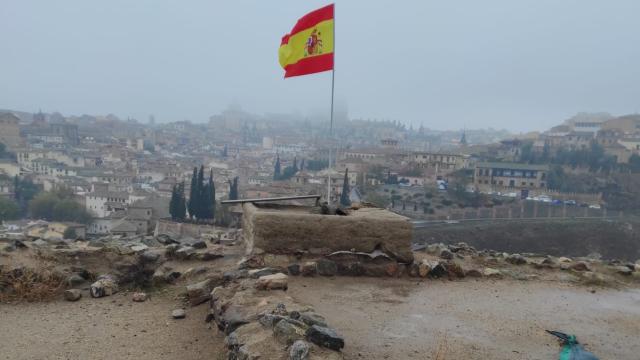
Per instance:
(520,65)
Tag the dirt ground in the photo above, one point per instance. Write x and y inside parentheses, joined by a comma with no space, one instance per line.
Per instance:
(404,319)
(106,328)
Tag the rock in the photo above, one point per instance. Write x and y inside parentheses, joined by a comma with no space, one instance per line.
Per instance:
(272,282)
(139,248)
(438,270)
(194,243)
(454,270)
(287,333)
(178,314)
(326,267)
(235,274)
(299,350)
(198,270)
(72,295)
(257,273)
(490,272)
(294,269)
(185,252)
(472,272)
(39,243)
(74,280)
(325,337)
(435,249)
(309,268)
(623,270)
(165,239)
(392,269)
(564,260)
(423,268)
(170,250)
(580,266)
(516,259)
(281,309)
(446,254)
(139,297)
(200,292)
(149,257)
(270,320)
(311,318)
(209,255)
(104,286)
(413,269)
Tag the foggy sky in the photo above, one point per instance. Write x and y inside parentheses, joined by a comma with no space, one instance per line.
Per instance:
(520,65)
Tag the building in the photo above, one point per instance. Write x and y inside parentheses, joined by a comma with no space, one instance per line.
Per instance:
(441,162)
(489,176)
(10,131)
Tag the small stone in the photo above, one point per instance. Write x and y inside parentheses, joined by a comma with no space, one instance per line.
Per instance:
(104,286)
(178,314)
(413,269)
(446,254)
(309,269)
(272,282)
(299,350)
(72,295)
(490,272)
(294,269)
(473,273)
(423,268)
(392,269)
(564,259)
(139,248)
(454,269)
(623,270)
(139,297)
(270,320)
(325,337)
(326,267)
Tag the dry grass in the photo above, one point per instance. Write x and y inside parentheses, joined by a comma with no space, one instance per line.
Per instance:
(30,284)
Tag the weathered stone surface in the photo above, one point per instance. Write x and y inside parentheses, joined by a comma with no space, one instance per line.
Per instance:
(413,269)
(72,295)
(446,254)
(201,291)
(278,229)
(564,260)
(185,252)
(473,272)
(139,297)
(209,255)
(516,259)
(325,337)
(311,318)
(287,333)
(178,314)
(270,320)
(75,280)
(623,270)
(139,248)
(272,282)
(490,272)
(104,286)
(309,268)
(194,243)
(438,270)
(149,257)
(294,269)
(235,275)
(454,269)
(326,267)
(423,268)
(299,350)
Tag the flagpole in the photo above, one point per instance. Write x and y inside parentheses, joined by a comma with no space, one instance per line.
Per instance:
(333,80)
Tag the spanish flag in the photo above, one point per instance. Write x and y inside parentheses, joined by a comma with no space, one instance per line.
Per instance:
(308,48)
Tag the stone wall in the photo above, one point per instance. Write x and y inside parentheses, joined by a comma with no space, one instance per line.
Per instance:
(166,226)
(289,229)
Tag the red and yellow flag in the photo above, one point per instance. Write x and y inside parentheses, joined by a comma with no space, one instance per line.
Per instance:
(308,48)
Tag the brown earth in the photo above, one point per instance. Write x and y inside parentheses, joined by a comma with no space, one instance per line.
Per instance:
(471,319)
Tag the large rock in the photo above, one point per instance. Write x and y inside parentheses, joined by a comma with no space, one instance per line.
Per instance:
(310,268)
(273,282)
(74,280)
(194,243)
(287,333)
(423,268)
(623,270)
(325,337)
(294,269)
(516,259)
(311,318)
(580,266)
(446,254)
(185,252)
(72,295)
(257,273)
(326,267)
(201,291)
(104,286)
(299,350)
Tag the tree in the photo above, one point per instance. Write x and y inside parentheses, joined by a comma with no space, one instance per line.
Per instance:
(181,205)
(58,206)
(24,190)
(193,194)
(295,164)
(70,233)
(233,189)
(302,165)
(211,197)
(344,197)
(173,204)
(225,151)
(9,210)
(276,170)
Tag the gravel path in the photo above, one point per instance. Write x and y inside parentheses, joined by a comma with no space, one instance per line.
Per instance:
(107,328)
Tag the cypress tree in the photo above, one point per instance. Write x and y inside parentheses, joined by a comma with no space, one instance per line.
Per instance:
(225,152)
(211,203)
(193,194)
(181,206)
(233,189)
(295,164)
(344,197)
(16,188)
(276,170)
(302,165)
(173,204)
(201,204)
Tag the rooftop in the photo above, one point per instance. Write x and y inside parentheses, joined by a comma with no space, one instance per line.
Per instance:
(513,166)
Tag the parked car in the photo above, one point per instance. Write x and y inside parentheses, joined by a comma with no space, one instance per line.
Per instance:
(570,202)
(512,195)
(545,198)
(594,206)
(557,202)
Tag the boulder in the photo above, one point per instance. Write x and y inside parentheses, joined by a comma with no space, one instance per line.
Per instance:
(423,268)
(287,333)
(72,295)
(257,273)
(185,252)
(200,292)
(473,272)
(209,255)
(74,280)
(309,268)
(623,270)
(563,259)
(104,286)
(149,257)
(516,259)
(139,248)
(413,269)
(326,267)
(194,243)
(299,350)
(294,269)
(311,318)
(446,254)
(272,282)
(580,266)
(165,239)
(438,270)
(178,314)
(325,337)
(490,272)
